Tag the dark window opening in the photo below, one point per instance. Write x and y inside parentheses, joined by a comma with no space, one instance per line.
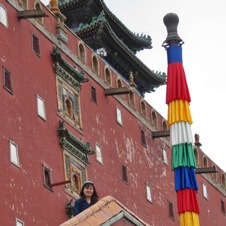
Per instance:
(223,181)
(47,178)
(171,214)
(196,156)
(143,138)
(36,45)
(7,80)
(222,207)
(154,119)
(124,174)
(93,94)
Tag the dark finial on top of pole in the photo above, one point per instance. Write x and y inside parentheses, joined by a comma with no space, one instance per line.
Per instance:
(171,20)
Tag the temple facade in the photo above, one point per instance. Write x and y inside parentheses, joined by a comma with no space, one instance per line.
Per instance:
(73,109)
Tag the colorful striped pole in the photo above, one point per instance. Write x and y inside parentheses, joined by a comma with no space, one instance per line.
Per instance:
(179,121)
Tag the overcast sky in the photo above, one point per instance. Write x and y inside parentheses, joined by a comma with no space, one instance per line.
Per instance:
(202,27)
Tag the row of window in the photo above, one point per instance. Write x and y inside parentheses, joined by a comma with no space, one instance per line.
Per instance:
(13,148)
(205,195)
(7,76)
(143,111)
(77,180)
(153,115)
(213,175)
(95,67)
(7,84)
(14,158)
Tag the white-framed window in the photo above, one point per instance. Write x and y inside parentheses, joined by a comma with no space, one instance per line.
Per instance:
(204,190)
(14,157)
(41,107)
(19,222)
(148,191)
(99,154)
(3,16)
(119,115)
(164,156)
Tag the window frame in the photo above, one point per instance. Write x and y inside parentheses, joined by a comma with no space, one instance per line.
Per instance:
(171,212)
(6,72)
(47,178)
(5,24)
(164,156)
(107,76)
(143,109)
(65,92)
(223,183)
(223,211)
(204,191)
(82,52)
(38,6)
(154,120)
(93,94)
(11,145)
(149,193)
(41,112)
(119,116)
(99,156)
(21,223)
(95,65)
(36,39)
(143,139)
(124,174)
(131,100)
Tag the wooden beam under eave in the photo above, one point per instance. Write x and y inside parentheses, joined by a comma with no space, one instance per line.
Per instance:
(164,133)
(60,183)
(206,170)
(31,14)
(117,91)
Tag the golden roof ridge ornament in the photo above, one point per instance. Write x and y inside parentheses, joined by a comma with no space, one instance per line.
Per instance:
(54,6)
(131,80)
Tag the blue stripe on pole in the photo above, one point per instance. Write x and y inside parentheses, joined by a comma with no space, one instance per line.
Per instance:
(174,54)
(184,177)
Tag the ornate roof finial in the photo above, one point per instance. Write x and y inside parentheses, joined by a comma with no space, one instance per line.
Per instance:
(171,21)
(54,6)
(131,79)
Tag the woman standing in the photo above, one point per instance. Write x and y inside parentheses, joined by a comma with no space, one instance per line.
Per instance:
(88,197)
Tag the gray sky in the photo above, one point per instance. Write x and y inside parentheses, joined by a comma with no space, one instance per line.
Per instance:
(202,27)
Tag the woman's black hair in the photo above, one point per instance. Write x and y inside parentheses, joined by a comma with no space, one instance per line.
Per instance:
(94,197)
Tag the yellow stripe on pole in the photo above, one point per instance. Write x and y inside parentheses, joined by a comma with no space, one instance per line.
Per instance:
(179,111)
(188,218)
